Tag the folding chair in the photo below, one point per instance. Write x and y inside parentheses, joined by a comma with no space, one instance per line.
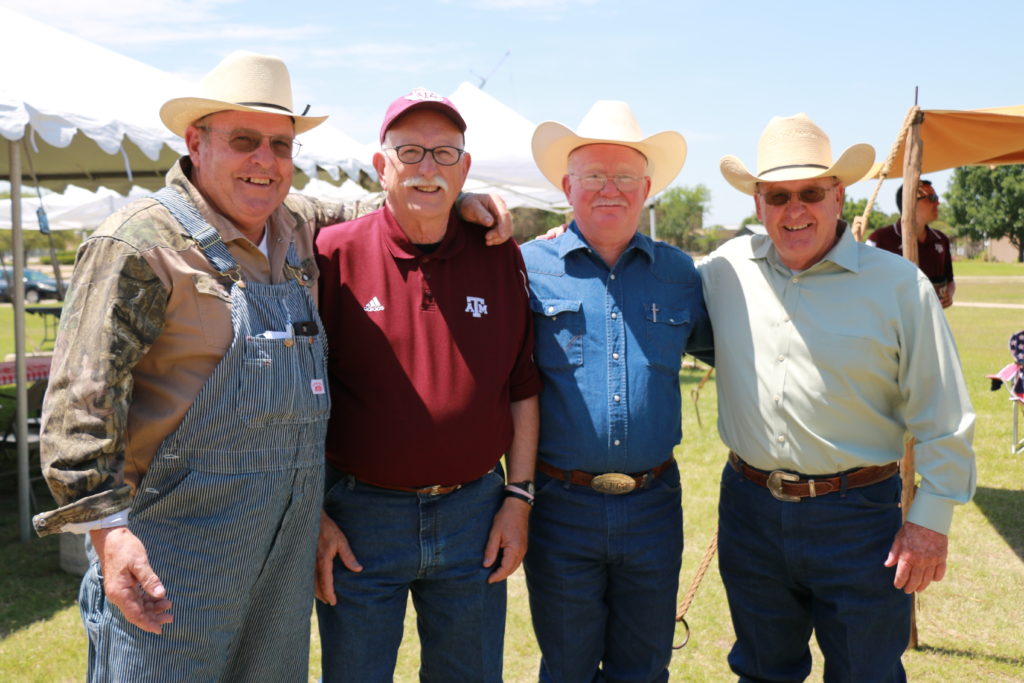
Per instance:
(1012,376)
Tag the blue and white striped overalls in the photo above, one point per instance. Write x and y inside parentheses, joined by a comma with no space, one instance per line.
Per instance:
(229,508)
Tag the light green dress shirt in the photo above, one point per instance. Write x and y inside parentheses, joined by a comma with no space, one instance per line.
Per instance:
(832,368)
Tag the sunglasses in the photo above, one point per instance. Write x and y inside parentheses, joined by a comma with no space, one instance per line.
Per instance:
(933,198)
(247,141)
(808,195)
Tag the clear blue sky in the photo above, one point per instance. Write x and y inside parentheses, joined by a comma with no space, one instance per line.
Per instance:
(714,70)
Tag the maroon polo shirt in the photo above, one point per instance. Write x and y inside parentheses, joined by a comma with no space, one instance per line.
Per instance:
(427,351)
(933,255)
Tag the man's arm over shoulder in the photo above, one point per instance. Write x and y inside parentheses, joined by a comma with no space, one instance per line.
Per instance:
(319,213)
(114,312)
(677,268)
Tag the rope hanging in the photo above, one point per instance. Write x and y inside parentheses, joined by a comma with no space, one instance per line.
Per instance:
(860,222)
(684,606)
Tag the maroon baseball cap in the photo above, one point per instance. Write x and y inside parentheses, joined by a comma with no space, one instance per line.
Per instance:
(421,98)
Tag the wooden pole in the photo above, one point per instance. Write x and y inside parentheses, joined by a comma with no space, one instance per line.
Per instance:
(911,181)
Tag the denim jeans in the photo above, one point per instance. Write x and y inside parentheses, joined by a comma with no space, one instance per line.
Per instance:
(432,546)
(789,568)
(602,571)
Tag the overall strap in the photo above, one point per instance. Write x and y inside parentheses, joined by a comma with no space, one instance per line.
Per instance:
(205,235)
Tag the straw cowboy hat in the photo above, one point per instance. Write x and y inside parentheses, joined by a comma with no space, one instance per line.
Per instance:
(794,148)
(610,122)
(244,81)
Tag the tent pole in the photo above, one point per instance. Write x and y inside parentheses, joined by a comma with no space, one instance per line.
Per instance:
(18,299)
(911,181)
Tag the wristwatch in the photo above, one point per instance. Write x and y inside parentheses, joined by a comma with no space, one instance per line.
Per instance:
(523,490)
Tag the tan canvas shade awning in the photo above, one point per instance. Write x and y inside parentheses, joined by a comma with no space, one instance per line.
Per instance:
(953,138)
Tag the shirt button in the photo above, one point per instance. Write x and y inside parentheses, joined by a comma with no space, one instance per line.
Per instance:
(616,398)
(612,276)
(616,442)
(786,319)
(551,309)
(781,438)
(777,398)
(795,280)
(615,356)
(614,316)
(781,358)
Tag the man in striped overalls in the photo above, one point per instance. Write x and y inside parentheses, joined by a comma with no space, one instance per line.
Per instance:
(185,419)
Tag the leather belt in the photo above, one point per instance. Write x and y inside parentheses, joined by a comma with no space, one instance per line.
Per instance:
(435,490)
(615,483)
(791,487)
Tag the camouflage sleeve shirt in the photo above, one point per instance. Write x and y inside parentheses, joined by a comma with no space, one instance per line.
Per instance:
(146,320)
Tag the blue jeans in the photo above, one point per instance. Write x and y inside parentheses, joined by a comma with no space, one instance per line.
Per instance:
(789,568)
(602,571)
(432,546)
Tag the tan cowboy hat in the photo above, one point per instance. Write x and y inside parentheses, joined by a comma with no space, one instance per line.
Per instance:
(244,81)
(611,122)
(794,148)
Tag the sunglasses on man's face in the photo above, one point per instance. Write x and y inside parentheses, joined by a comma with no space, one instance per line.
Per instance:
(808,195)
(933,198)
(247,141)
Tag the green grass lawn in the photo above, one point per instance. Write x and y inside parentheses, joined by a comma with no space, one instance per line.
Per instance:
(970,624)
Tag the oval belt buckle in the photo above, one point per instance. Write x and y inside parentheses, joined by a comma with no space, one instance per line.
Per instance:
(615,483)
(774,485)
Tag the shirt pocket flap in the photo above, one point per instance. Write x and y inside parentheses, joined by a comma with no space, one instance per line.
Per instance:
(666,315)
(552,307)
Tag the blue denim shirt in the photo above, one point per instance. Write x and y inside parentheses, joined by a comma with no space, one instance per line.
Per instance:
(609,345)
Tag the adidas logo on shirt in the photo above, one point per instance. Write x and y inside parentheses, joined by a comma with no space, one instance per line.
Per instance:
(373,305)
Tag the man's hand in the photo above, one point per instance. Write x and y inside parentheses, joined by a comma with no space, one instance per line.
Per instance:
(945,293)
(487,209)
(508,535)
(331,543)
(128,580)
(919,555)
(552,233)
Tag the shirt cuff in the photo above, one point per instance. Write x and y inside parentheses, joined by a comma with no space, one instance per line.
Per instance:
(119,518)
(932,512)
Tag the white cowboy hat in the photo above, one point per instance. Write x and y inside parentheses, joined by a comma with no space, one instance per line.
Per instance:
(611,122)
(794,148)
(244,81)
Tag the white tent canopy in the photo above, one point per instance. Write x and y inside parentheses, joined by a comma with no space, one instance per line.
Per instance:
(498,140)
(91,115)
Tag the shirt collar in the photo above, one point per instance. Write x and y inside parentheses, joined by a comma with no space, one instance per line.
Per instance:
(844,252)
(401,247)
(573,240)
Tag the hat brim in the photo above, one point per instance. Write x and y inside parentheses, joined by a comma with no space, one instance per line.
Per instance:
(853,165)
(552,142)
(179,113)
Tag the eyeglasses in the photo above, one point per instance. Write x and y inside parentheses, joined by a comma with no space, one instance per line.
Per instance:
(593,182)
(933,198)
(445,155)
(247,141)
(808,195)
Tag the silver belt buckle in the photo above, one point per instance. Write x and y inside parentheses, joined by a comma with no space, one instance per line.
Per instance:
(774,485)
(614,483)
